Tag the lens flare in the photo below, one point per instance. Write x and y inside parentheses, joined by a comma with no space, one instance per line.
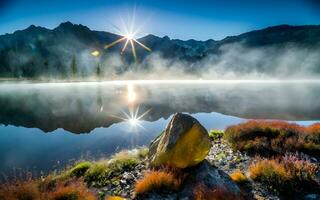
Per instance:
(95,53)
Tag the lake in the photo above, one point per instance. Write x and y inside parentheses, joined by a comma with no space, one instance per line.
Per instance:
(46,126)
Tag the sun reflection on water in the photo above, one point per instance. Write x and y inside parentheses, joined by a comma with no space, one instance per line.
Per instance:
(132,96)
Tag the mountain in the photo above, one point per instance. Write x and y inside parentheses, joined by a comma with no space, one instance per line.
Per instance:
(65,52)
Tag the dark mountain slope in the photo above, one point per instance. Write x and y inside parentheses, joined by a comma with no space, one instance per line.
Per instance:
(37,51)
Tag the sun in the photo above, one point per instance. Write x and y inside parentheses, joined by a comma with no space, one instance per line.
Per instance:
(133,121)
(128,37)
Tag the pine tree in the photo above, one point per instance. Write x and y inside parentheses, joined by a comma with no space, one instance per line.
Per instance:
(73,66)
(98,71)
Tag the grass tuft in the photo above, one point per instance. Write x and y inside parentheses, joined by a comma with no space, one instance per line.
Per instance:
(238,177)
(71,191)
(80,169)
(157,181)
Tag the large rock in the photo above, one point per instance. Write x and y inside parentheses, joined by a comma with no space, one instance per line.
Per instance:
(211,178)
(184,143)
(205,176)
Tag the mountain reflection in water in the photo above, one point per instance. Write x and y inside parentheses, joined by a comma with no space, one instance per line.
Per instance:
(80,108)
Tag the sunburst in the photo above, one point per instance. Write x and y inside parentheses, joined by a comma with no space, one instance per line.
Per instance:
(128,37)
(133,118)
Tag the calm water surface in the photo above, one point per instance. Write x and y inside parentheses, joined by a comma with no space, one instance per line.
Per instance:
(47,126)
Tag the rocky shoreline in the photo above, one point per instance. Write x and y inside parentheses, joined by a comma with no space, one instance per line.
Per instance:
(225,158)
(186,162)
(221,155)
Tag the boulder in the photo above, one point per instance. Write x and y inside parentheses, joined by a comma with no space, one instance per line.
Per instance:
(210,177)
(184,143)
(204,175)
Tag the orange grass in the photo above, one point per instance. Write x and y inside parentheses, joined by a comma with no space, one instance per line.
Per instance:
(238,177)
(20,190)
(33,190)
(157,181)
(75,190)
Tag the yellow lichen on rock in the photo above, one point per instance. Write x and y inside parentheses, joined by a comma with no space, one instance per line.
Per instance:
(181,145)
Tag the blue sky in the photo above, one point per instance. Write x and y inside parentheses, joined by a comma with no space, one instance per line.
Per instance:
(183,19)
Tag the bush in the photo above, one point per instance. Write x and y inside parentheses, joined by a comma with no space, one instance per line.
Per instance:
(155,181)
(202,192)
(274,137)
(285,174)
(80,169)
(216,134)
(238,177)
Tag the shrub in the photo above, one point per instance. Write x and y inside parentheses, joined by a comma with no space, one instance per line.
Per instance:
(158,181)
(238,177)
(285,174)
(71,191)
(274,137)
(80,169)
(216,134)
(202,192)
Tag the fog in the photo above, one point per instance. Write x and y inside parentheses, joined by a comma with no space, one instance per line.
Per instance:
(234,61)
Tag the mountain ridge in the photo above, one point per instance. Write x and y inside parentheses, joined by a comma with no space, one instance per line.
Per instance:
(37,51)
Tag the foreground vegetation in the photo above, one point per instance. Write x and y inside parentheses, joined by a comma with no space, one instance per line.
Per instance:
(274,137)
(38,190)
(281,160)
(74,183)
(286,175)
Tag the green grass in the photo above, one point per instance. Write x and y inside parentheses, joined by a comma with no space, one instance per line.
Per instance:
(215,135)
(97,175)
(80,168)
